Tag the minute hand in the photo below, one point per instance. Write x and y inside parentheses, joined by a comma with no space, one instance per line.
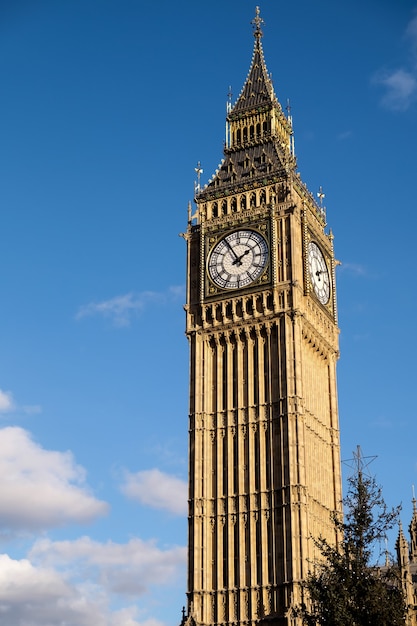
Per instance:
(233,252)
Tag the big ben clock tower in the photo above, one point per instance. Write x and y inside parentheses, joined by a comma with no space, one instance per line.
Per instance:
(263,335)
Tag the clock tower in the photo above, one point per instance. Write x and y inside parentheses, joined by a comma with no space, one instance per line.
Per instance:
(264,450)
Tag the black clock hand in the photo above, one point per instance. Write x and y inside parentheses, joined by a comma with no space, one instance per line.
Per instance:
(238,260)
(232,251)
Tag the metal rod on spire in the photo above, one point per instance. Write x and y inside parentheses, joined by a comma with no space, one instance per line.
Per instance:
(228,109)
(291,140)
(321,195)
(229,99)
(199,171)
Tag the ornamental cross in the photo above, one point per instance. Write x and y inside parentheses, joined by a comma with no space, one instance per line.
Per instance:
(257,21)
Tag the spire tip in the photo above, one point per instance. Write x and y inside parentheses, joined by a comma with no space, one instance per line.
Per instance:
(256,22)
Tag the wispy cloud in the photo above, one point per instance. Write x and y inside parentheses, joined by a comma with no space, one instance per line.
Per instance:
(157,489)
(400,84)
(8,405)
(400,88)
(346,134)
(121,309)
(6,402)
(353,268)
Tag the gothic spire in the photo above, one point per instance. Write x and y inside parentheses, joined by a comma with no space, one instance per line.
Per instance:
(259,144)
(258,89)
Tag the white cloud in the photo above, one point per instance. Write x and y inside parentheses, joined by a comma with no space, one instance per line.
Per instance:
(41,488)
(6,401)
(41,596)
(126,569)
(83,582)
(120,309)
(400,84)
(157,489)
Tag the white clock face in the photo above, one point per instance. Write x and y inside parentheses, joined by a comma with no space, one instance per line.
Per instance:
(319,275)
(238,259)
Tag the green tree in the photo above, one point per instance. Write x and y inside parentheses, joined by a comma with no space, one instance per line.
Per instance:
(345,589)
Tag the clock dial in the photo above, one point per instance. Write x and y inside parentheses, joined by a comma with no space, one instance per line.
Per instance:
(238,259)
(319,275)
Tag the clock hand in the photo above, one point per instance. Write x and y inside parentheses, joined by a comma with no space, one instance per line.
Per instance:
(238,260)
(232,251)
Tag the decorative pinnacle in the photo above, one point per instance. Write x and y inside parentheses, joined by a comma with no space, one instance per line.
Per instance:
(321,196)
(257,21)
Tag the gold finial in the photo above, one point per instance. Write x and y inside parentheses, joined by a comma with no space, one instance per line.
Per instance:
(257,21)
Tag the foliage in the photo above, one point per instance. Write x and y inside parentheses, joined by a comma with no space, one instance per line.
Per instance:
(344,588)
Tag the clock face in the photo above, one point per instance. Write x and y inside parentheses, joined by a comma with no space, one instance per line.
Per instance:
(319,275)
(238,259)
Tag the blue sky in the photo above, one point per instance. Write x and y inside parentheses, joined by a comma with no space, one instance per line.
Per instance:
(106,107)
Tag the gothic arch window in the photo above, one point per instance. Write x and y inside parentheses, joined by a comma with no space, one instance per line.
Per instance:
(258,129)
(265,127)
(224,207)
(259,304)
(243,202)
(238,136)
(234,205)
(215,210)
(252,200)
(263,196)
(251,132)
(245,134)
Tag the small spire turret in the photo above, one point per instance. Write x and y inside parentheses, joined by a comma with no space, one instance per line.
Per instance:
(404,565)
(402,548)
(413,531)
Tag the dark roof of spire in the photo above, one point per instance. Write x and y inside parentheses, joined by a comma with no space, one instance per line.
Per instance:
(245,164)
(258,89)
